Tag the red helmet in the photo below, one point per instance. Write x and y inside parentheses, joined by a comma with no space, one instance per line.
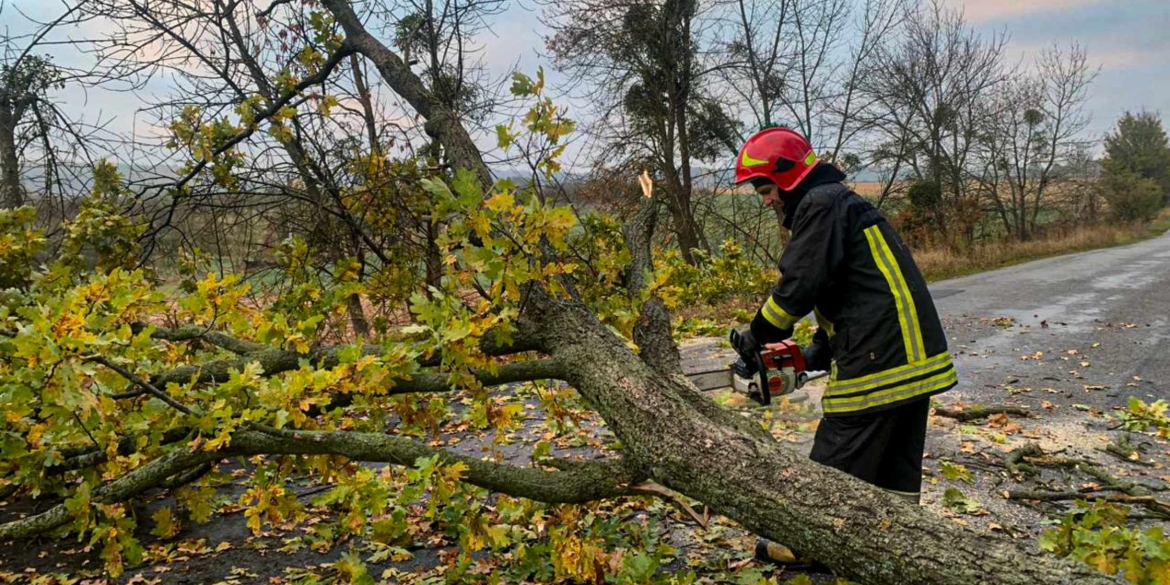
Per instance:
(778,154)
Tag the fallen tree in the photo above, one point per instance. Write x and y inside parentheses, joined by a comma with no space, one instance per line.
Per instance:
(146,408)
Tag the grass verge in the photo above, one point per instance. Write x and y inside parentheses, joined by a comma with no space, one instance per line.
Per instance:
(943,263)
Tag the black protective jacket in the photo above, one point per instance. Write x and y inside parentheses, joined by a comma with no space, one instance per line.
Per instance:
(847,265)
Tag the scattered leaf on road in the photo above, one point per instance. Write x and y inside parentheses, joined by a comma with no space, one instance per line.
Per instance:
(956,472)
(957,501)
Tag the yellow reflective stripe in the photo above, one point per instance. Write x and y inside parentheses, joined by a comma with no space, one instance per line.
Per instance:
(892,395)
(824,323)
(890,376)
(810,159)
(776,316)
(907,313)
(911,309)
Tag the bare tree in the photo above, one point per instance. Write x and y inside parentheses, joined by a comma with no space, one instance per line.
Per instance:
(928,91)
(1033,130)
(1081,179)
(800,62)
(46,153)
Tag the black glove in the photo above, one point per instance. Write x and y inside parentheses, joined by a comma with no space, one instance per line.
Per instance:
(745,343)
(818,356)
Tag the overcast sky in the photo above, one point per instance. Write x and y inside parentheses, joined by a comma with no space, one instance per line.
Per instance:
(1127,38)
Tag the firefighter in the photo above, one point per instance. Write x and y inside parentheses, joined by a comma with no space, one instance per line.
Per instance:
(878,333)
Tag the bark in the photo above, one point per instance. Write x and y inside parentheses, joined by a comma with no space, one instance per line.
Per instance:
(357,316)
(216,338)
(652,330)
(11,194)
(274,360)
(679,204)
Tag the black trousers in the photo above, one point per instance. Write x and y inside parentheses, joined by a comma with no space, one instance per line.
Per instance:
(883,448)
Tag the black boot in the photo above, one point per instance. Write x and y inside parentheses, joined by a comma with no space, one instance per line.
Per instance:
(778,554)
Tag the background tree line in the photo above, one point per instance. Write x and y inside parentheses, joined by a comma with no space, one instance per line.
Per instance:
(942,129)
(954,140)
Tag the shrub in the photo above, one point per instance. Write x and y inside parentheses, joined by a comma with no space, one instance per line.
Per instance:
(1131,197)
(728,276)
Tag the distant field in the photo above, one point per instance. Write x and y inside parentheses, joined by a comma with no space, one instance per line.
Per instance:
(867,188)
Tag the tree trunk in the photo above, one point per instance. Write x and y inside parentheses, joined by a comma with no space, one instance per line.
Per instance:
(357,316)
(11,194)
(684,227)
(433,260)
(864,533)
(678,202)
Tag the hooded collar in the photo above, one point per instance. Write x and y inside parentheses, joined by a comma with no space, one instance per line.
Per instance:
(821,174)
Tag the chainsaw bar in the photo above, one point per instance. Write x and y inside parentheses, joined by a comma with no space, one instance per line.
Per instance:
(723,378)
(711,379)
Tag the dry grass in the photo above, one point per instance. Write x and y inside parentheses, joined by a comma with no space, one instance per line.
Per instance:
(868,189)
(942,263)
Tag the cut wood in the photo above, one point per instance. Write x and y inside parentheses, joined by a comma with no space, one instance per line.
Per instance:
(970,413)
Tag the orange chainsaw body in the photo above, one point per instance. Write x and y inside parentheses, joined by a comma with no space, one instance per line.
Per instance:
(782,371)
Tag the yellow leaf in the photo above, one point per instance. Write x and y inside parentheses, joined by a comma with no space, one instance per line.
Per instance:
(500,202)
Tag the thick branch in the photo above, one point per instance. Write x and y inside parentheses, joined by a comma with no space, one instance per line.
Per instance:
(135,379)
(275,361)
(970,413)
(863,533)
(89,456)
(216,338)
(442,124)
(576,483)
(580,482)
(540,369)
(652,330)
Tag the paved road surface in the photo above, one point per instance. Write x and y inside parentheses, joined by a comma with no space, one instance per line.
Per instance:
(1112,307)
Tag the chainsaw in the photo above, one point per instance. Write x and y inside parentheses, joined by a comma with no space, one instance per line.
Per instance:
(777,369)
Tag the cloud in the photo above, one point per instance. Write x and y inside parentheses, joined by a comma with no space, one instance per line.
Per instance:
(1101,53)
(1124,58)
(983,10)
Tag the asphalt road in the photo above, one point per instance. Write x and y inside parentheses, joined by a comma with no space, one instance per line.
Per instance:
(1111,307)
